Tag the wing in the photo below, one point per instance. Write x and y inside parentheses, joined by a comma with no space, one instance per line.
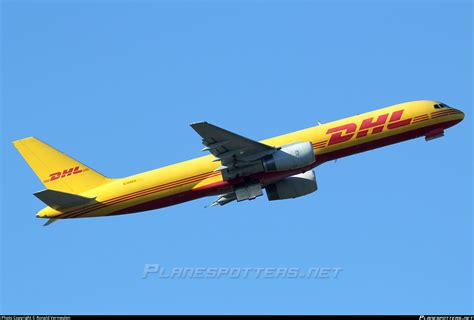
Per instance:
(239,156)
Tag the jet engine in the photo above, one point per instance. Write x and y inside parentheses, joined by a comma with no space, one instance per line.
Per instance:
(290,156)
(292,187)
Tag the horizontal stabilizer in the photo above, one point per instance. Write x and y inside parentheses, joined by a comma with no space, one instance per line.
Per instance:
(62,200)
(49,222)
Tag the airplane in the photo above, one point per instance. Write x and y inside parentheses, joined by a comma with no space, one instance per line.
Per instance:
(237,169)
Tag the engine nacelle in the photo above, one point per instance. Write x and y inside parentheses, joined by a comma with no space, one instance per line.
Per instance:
(290,156)
(292,187)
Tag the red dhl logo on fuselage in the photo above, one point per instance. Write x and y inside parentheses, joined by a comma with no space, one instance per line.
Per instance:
(65,173)
(346,132)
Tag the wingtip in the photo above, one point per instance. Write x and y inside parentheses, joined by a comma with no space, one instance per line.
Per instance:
(197,123)
(211,205)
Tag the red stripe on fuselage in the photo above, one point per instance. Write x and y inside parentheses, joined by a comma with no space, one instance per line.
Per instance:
(444,114)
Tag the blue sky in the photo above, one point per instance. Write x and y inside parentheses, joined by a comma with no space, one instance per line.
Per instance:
(116,84)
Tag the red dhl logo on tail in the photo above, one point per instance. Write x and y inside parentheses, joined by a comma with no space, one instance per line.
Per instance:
(65,173)
(346,132)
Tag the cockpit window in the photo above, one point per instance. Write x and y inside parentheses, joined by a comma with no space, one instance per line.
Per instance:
(441,106)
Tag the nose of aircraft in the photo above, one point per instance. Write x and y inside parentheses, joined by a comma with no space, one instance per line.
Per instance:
(460,114)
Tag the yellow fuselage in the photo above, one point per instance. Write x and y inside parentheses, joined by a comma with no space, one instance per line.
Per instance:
(196,178)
